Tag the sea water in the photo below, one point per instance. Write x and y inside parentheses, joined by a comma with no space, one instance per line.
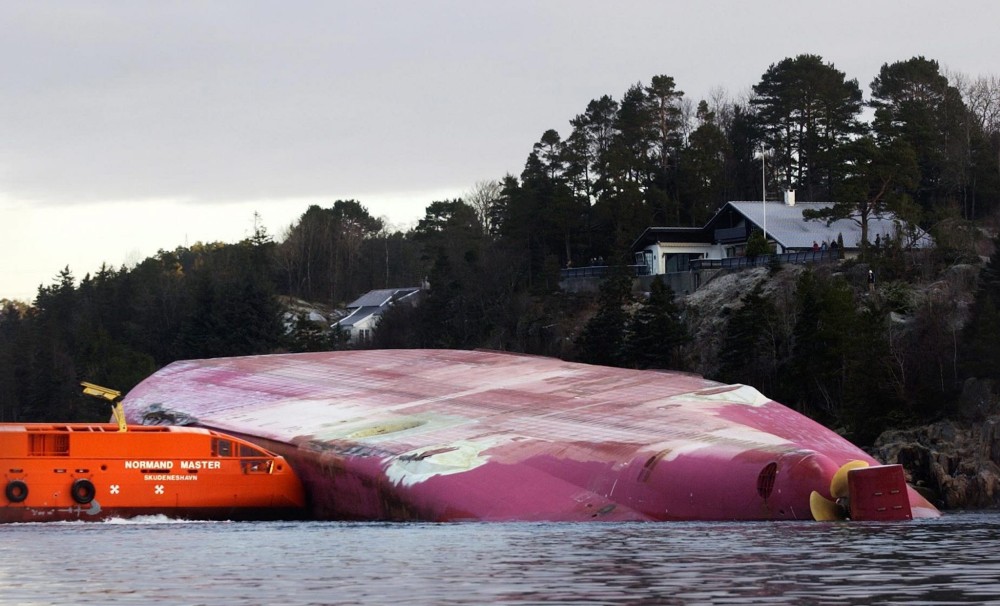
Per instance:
(951,560)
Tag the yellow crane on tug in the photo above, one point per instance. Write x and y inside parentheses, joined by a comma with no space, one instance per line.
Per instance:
(113,397)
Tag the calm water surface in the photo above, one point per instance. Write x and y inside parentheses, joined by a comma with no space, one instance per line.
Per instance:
(951,560)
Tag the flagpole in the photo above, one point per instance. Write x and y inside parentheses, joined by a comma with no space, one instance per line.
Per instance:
(763,191)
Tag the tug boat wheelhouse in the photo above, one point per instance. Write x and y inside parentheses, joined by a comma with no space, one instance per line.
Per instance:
(83,471)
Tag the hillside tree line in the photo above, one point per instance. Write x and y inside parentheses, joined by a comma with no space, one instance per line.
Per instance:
(492,259)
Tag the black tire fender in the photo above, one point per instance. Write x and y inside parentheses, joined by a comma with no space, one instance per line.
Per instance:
(83,491)
(16,491)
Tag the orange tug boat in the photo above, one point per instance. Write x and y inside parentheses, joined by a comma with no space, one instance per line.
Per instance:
(86,471)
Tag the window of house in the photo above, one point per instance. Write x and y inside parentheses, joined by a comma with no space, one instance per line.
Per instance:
(680,261)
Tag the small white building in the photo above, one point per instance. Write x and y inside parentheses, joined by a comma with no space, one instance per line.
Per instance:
(365,312)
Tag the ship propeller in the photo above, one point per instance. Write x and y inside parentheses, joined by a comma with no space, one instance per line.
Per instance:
(826,510)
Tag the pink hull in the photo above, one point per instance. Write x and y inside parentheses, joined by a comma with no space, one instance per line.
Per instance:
(441,435)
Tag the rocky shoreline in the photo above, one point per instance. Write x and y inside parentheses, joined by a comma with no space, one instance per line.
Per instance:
(955,464)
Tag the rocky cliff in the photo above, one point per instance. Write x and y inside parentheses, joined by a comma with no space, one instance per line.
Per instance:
(956,464)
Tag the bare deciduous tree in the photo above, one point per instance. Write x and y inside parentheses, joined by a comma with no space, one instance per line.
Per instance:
(483,198)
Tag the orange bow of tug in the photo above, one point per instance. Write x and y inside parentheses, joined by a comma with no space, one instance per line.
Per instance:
(79,471)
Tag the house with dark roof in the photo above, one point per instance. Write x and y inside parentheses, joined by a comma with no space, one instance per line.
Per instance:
(365,312)
(663,250)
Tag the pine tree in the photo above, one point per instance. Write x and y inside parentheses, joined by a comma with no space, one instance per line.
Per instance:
(757,244)
(981,357)
(750,347)
(915,103)
(603,338)
(656,331)
(870,403)
(825,320)
(806,111)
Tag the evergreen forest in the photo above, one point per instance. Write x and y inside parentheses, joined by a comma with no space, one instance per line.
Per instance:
(925,145)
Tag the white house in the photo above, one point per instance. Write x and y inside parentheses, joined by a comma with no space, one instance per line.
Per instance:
(366,311)
(672,249)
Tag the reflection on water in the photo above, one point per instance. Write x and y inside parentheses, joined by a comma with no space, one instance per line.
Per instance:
(954,559)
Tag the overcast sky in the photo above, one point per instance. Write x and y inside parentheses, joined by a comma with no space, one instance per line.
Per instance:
(130,126)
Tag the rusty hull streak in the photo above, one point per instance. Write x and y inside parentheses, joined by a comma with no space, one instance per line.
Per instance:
(442,435)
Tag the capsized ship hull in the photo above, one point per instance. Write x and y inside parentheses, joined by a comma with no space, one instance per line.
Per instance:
(443,435)
(90,472)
